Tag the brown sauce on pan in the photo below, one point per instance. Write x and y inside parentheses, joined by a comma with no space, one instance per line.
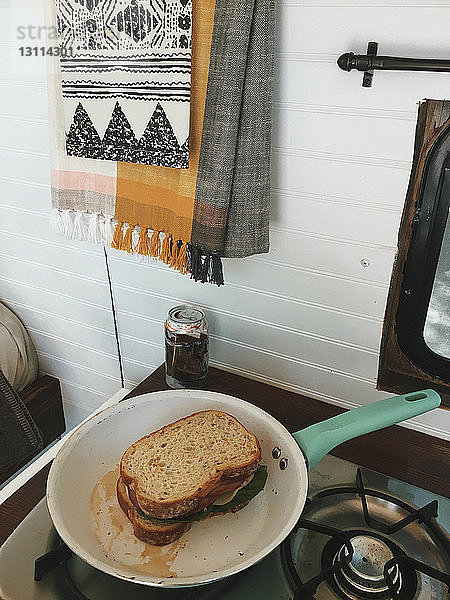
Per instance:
(114,533)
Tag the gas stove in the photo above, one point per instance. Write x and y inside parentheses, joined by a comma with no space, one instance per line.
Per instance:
(362,535)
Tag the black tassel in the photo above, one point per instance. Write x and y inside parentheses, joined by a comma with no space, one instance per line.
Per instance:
(194,261)
(217,270)
(206,268)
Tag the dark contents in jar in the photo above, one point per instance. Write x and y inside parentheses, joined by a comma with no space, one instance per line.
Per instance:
(187,358)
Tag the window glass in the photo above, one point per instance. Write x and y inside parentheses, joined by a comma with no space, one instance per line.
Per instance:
(437,325)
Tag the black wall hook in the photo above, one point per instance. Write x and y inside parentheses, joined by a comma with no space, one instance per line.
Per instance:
(370,62)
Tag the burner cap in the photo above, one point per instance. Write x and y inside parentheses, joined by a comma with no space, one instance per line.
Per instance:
(363,578)
(365,571)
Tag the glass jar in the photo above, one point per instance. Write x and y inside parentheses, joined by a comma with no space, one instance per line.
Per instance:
(187,353)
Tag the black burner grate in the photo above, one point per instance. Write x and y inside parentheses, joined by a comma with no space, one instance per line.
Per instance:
(420,515)
(405,561)
(306,591)
(406,587)
(407,565)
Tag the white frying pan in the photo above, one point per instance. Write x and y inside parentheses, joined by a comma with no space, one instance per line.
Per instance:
(216,547)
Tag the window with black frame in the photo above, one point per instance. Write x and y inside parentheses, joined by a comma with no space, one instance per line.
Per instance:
(415,347)
(423,318)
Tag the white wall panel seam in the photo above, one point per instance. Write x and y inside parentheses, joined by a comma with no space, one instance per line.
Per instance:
(343,158)
(28,211)
(25,120)
(356,4)
(282,151)
(66,319)
(71,363)
(292,299)
(21,5)
(286,193)
(140,363)
(9,150)
(310,304)
(241,344)
(277,355)
(84,407)
(322,57)
(340,200)
(284,385)
(276,326)
(318,272)
(70,342)
(299,361)
(353,111)
(57,294)
(369,351)
(42,85)
(327,237)
(77,385)
(293,267)
(54,269)
(336,109)
(31,184)
(80,248)
(365,282)
(157,345)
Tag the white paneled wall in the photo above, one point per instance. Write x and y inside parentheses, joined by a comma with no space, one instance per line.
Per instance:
(308,315)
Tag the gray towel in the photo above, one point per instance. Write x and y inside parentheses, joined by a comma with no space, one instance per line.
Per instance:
(231,212)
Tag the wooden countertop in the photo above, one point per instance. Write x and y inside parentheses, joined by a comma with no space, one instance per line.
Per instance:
(408,455)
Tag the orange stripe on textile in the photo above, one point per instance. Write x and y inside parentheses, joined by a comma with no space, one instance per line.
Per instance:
(182,263)
(173,254)
(163,198)
(164,255)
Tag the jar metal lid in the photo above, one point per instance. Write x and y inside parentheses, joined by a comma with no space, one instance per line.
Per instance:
(185,318)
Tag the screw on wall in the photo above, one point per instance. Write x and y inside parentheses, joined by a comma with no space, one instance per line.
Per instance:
(365,262)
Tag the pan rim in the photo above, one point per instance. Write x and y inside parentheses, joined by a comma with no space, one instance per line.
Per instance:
(182,581)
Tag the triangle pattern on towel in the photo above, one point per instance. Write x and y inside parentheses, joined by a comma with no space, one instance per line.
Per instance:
(157,146)
(82,136)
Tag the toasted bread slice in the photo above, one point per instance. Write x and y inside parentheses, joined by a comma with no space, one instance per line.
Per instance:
(145,530)
(172,471)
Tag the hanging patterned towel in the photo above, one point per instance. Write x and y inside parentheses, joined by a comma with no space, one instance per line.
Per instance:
(219,206)
(126,70)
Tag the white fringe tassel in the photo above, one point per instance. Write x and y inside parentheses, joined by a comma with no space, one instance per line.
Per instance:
(77,225)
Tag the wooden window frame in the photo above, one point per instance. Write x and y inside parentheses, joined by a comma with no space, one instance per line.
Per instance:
(406,362)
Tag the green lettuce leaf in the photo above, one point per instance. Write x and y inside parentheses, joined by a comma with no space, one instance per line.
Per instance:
(245,494)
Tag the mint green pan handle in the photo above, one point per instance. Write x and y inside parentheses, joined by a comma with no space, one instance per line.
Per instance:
(318,439)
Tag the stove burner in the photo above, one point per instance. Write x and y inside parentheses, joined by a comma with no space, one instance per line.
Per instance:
(360,560)
(366,568)
(363,577)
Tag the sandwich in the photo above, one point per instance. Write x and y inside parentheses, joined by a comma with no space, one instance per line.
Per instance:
(203,465)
